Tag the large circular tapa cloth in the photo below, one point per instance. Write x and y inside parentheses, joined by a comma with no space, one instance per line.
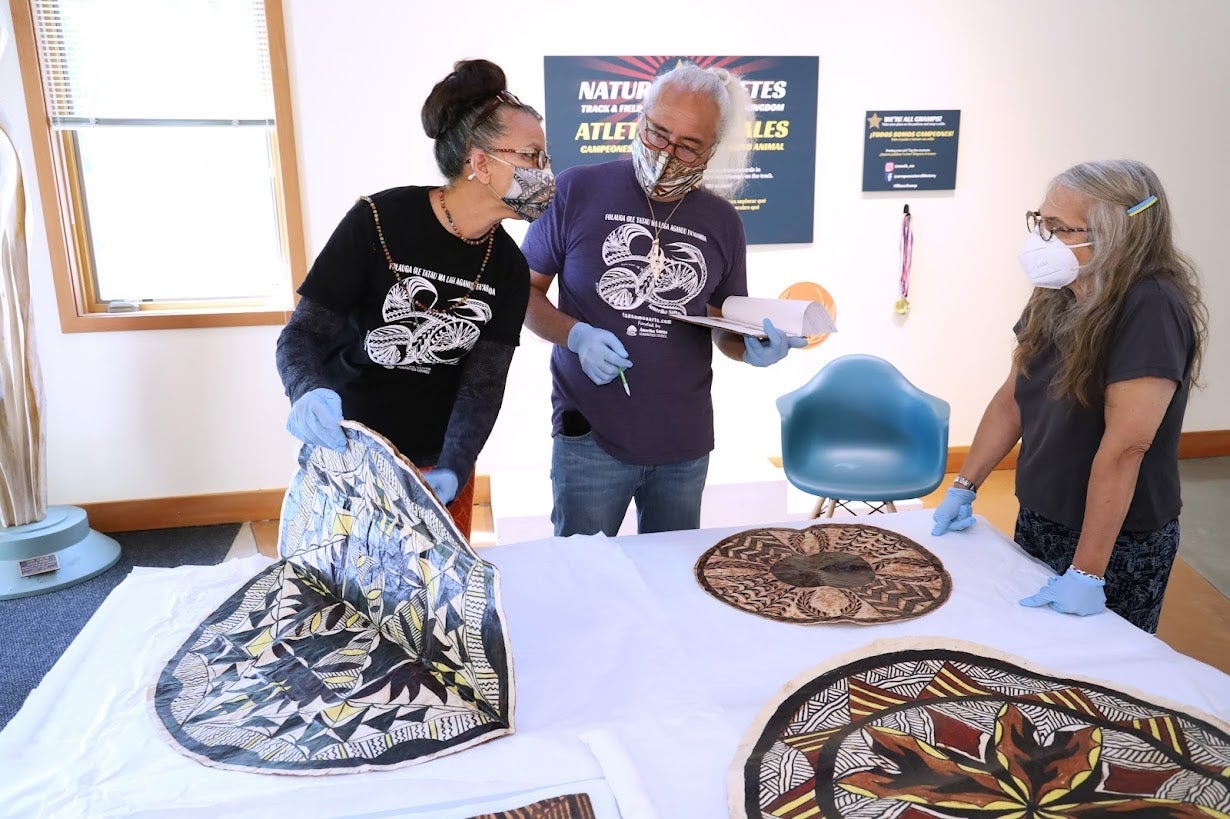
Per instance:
(907,729)
(827,573)
(377,641)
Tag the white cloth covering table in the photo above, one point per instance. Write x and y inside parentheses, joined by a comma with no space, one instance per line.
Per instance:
(631,682)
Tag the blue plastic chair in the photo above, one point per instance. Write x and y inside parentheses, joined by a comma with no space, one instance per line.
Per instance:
(860,431)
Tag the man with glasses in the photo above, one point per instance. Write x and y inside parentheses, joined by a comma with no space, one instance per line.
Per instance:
(634,244)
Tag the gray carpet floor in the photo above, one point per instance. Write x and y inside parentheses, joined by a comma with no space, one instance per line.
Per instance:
(35,631)
(1204,525)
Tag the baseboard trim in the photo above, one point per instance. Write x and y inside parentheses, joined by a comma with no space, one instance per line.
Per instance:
(266,504)
(186,510)
(958,454)
(1210,443)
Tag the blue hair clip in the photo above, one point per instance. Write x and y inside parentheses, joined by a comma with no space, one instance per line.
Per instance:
(1144,204)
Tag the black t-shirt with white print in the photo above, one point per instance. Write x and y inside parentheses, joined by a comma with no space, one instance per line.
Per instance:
(397,365)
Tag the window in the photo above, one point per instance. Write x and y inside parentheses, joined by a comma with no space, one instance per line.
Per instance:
(165,157)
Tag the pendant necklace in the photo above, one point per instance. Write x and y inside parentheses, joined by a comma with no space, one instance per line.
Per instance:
(657,259)
(489,240)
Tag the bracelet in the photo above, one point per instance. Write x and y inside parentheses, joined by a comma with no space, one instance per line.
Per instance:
(965,483)
(1083,573)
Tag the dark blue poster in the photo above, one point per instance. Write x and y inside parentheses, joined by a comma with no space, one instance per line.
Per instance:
(593,105)
(910,150)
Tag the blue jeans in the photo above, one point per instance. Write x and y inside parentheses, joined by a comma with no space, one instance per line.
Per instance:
(592,490)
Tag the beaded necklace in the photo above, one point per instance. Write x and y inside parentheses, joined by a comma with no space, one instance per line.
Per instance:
(453,227)
(460,300)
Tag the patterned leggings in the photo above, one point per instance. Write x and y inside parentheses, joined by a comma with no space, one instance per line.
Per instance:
(1138,570)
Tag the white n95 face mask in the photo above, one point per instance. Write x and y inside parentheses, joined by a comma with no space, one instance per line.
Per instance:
(1049,264)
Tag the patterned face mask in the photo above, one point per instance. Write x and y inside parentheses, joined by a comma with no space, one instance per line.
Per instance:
(661,174)
(530,191)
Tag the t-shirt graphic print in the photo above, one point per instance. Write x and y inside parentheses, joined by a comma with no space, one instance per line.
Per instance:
(639,272)
(418,335)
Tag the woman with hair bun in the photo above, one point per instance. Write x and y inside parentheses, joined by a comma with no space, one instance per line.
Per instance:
(1107,348)
(409,317)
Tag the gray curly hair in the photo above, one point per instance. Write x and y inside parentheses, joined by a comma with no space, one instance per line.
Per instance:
(725,172)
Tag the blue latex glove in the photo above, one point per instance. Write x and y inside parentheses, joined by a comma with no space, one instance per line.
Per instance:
(316,419)
(955,512)
(763,352)
(443,482)
(602,355)
(1071,593)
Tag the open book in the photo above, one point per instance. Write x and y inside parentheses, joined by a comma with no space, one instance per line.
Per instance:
(745,315)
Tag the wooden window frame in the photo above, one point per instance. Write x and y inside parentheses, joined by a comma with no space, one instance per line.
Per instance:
(80,310)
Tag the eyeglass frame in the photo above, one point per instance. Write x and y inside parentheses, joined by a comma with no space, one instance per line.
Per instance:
(504,97)
(673,147)
(538,156)
(1034,223)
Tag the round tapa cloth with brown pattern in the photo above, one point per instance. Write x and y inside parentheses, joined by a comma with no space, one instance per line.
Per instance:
(933,726)
(827,573)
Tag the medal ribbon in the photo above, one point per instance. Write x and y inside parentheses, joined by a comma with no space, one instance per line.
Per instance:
(907,260)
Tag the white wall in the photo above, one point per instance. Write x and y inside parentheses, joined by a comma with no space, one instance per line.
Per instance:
(1041,85)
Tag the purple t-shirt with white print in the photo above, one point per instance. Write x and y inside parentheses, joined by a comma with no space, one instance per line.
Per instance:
(596,239)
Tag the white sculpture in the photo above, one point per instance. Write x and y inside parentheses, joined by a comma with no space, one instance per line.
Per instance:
(41,548)
(23,488)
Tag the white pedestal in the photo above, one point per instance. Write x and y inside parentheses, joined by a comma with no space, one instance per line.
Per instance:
(63,535)
(521,505)
(735,494)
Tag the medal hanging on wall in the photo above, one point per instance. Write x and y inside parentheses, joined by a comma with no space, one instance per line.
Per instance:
(902,305)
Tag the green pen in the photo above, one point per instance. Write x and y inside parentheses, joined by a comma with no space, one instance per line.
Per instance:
(624,379)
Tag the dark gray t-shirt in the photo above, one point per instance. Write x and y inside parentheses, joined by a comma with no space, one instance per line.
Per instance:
(596,239)
(1059,437)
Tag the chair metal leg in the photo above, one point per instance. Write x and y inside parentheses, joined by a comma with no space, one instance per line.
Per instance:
(827,506)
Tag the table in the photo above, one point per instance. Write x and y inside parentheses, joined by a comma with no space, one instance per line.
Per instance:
(632,684)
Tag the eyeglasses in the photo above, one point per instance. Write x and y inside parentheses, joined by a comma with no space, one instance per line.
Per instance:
(502,98)
(659,141)
(538,156)
(1046,227)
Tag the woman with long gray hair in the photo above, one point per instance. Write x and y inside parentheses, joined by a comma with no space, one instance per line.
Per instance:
(1108,347)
